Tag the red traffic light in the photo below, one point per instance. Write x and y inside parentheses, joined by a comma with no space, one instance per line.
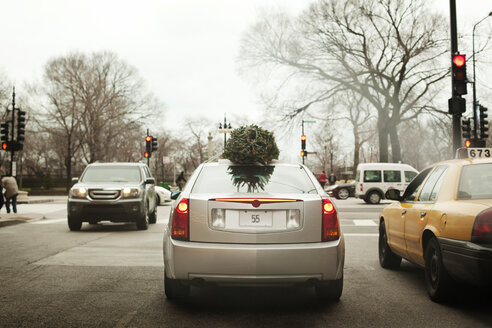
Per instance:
(467,143)
(148,138)
(4,146)
(146,155)
(303,137)
(459,60)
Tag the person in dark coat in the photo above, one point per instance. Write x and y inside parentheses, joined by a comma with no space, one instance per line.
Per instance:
(332,179)
(181,180)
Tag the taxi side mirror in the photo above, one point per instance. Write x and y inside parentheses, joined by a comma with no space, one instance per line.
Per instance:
(393,194)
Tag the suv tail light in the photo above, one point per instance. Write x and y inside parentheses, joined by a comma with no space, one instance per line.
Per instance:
(482,229)
(330,227)
(361,189)
(181,221)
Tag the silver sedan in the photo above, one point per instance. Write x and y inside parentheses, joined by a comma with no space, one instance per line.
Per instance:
(258,225)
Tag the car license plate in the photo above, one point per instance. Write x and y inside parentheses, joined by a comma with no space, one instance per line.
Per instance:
(255,218)
(479,152)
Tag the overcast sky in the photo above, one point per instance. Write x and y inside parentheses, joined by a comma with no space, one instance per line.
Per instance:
(185,50)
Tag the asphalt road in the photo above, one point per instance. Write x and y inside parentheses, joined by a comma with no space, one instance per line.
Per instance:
(111,275)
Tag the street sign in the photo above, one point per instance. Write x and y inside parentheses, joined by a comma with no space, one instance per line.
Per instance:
(166,160)
(224,130)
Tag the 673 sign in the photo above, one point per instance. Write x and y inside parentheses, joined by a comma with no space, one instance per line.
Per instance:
(479,152)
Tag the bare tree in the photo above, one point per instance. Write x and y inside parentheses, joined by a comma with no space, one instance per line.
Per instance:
(386,51)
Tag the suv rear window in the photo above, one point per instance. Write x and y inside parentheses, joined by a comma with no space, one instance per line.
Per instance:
(111,174)
(254,179)
(372,176)
(475,182)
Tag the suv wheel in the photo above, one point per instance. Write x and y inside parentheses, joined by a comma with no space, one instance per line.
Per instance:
(143,222)
(153,216)
(74,224)
(373,198)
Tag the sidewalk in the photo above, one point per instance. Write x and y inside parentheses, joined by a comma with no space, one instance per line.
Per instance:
(7,219)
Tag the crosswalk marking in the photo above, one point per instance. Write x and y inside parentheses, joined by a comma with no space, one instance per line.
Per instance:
(365,223)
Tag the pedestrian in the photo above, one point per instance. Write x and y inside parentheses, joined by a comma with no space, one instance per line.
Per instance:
(181,180)
(322,179)
(332,179)
(11,192)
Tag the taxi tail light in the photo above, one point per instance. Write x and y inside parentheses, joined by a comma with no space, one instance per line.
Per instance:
(181,221)
(330,229)
(482,229)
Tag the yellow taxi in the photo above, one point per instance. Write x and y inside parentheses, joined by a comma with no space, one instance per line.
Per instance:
(442,222)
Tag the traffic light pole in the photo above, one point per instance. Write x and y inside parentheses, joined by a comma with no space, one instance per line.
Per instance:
(454,50)
(11,172)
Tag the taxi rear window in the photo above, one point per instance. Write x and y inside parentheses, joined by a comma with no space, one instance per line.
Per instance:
(475,182)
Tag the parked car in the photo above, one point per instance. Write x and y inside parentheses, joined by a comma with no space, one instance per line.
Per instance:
(118,192)
(442,222)
(342,190)
(372,180)
(162,195)
(253,225)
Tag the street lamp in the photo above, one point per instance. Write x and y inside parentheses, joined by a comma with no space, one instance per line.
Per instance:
(225,129)
(474,76)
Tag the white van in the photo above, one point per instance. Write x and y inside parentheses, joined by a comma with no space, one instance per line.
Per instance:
(373,179)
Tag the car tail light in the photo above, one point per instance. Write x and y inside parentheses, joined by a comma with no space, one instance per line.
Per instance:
(181,221)
(482,229)
(330,226)
(361,187)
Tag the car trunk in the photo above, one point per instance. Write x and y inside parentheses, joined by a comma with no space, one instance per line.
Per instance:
(255,218)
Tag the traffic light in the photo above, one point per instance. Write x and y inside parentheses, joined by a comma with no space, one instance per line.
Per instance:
(21,125)
(465,127)
(459,75)
(484,123)
(154,144)
(303,142)
(304,153)
(148,146)
(4,130)
(467,143)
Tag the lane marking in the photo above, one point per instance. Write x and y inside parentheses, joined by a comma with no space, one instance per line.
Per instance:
(126,319)
(49,221)
(365,223)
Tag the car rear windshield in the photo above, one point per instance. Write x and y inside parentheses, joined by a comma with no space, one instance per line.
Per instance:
(475,182)
(112,174)
(254,179)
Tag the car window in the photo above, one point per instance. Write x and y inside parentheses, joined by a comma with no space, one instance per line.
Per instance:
(475,182)
(414,186)
(112,174)
(409,175)
(392,176)
(147,172)
(372,176)
(253,178)
(432,185)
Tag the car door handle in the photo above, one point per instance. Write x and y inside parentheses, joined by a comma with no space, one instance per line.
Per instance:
(403,211)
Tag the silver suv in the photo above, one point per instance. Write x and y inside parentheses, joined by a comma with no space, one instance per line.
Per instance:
(118,192)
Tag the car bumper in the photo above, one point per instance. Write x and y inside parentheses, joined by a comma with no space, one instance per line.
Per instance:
(251,264)
(467,261)
(128,210)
